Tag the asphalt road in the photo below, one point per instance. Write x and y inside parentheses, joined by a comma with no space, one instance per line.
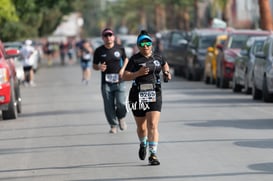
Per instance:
(206,134)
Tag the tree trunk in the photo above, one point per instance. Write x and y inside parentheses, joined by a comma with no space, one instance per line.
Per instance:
(226,11)
(142,19)
(160,19)
(171,16)
(196,14)
(265,13)
(186,19)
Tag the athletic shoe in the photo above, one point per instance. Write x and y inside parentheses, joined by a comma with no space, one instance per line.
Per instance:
(122,124)
(32,84)
(113,130)
(26,84)
(84,82)
(153,160)
(142,151)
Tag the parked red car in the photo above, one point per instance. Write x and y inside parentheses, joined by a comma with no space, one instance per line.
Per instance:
(229,52)
(10,98)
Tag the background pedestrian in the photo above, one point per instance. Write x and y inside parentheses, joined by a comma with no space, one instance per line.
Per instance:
(86,56)
(27,52)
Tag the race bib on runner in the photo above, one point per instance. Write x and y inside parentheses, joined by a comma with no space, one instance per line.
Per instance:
(112,78)
(147,96)
(87,56)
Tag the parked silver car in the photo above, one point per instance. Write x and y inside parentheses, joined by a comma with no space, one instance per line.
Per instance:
(263,72)
(243,73)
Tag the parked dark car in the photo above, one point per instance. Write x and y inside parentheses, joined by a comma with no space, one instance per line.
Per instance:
(173,45)
(263,72)
(197,49)
(243,73)
(229,52)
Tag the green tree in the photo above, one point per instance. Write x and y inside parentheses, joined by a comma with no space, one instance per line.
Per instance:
(144,14)
(38,18)
(92,14)
(7,14)
(35,18)
(7,11)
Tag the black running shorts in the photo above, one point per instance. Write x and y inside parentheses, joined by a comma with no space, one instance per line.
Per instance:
(140,109)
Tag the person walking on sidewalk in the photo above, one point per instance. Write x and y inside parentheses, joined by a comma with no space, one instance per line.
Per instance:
(111,60)
(145,96)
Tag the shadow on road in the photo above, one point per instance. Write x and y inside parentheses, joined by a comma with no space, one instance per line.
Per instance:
(241,124)
(256,143)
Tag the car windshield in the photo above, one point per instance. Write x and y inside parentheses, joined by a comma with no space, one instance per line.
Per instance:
(207,41)
(237,41)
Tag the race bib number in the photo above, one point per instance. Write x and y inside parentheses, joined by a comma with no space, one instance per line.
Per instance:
(87,56)
(112,78)
(147,96)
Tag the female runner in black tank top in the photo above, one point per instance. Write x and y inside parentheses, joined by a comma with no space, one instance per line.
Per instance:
(145,94)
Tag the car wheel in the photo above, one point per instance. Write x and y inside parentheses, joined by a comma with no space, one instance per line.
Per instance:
(205,75)
(196,76)
(206,79)
(178,71)
(247,87)
(256,93)
(12,112)
(211,79)
(249,84)
(18,98)
(235,87)
(188,74)
(217,82)
(222,82)
(267,97)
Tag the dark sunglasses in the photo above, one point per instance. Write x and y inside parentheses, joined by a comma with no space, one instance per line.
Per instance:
(109,34)
(142,44)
